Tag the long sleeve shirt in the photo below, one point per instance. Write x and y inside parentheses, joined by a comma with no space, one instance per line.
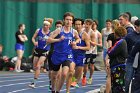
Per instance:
(118,53)
(133,53)
(131,39)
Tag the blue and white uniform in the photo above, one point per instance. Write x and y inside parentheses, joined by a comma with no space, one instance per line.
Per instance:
(42,48)
(79,55)
(63,49)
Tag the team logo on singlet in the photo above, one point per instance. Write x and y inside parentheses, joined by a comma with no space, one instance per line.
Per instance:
(70,41)
(70,56)
(43,38)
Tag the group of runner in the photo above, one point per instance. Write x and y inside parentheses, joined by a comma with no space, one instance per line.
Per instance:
(70,51)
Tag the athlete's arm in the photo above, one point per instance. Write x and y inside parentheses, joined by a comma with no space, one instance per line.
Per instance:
(102,33)
(99,39)
(55,33)
(87,41)
(93,39)
(76,36)
(77,39)
(52,39)
(34,37)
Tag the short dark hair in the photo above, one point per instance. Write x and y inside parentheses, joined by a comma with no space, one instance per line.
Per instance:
(96,22)
(129,14)
(137,22)
(89,20)
(20,25)
(68,14)
(59,22)
(79,19)
(109,20)
(125,15)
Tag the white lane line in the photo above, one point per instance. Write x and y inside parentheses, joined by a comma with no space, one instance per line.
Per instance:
(83,87)
(94,91)
(98,80)
(19,76)
(48,85)
(21,79)
(19,84)
(27,89)
(40,75)
(7,75)
(12,74)
(92,85)
(19,90)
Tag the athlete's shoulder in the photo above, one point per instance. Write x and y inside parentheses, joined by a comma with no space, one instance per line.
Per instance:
(57,30)
(85,35)
(104,29)
(74,30)
(98,32)
(38,29)
(92,32)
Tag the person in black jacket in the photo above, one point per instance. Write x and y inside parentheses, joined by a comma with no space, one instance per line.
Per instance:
(136,78)
(130,59)
(131,39)
(117,55)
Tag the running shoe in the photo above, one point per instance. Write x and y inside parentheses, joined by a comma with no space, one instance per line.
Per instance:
(84,81)
(32,85)
(21,70)
(50,88)
(89,81)
(73,84)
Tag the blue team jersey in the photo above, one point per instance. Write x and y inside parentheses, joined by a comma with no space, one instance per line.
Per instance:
(81,43)
(41,38)
(63,49)
(64,46)
(79,55)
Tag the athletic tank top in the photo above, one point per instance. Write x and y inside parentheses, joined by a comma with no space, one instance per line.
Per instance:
(91,47)
(96,38)
(105,35)
(64,46)
(42,40)
(81,43)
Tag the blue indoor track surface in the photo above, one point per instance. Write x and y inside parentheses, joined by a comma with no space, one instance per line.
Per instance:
(11,82)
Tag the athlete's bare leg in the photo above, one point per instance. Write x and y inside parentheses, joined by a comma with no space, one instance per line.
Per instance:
(65,71)
(70,74)
(78,73)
